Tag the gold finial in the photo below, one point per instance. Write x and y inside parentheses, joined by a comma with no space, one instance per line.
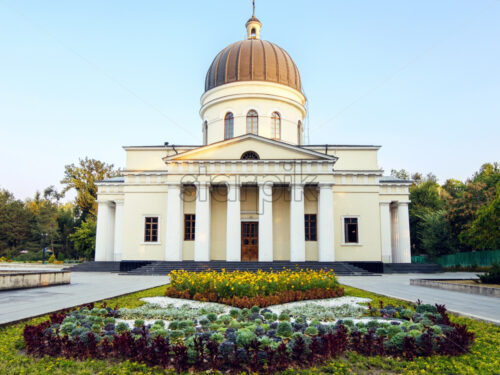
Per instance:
(253,5)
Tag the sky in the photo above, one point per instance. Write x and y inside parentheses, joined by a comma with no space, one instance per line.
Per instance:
(84,78)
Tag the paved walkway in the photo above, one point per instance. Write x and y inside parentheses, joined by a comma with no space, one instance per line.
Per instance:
(398,286)
(85,287)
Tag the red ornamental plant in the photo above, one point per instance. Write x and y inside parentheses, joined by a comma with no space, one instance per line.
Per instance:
(261,301)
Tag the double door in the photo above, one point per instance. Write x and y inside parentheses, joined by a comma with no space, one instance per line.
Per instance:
(249,241)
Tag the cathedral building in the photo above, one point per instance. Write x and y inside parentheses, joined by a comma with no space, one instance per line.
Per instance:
(253,191)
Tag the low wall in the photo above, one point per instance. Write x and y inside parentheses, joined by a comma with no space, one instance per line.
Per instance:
(471,289)
(32,279)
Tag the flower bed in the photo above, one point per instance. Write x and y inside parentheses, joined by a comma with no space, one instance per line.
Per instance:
(253,339)
(247,289)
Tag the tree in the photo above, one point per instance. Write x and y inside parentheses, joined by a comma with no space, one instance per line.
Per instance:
(434,233)
(82,178)
(44,226)
(453,187)
(401,174)
(425,198)
(484,232)
(14,222)
(84,238)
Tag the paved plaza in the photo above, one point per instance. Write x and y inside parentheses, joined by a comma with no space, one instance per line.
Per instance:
(398,286)
(85,287)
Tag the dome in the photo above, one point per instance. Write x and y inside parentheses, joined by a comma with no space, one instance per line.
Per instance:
(253,60)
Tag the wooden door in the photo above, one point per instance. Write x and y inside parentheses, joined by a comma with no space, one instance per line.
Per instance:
(249,241)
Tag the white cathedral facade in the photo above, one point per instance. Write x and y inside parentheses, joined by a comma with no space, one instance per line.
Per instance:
(253,191)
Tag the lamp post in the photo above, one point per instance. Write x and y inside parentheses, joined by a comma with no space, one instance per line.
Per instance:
(44,236)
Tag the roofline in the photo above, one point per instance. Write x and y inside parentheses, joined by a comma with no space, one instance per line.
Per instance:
(255,136)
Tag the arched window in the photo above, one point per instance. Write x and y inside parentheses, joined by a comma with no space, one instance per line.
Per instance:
(299,133)
(228,126)
(205,132)
(250,155)
(276,125)
(252,122)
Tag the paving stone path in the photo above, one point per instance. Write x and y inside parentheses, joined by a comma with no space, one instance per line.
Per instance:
(398,286)
(85,287)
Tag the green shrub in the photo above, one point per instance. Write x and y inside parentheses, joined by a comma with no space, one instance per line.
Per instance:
(204,322)
(393,331)
(348,323)
(311,331)
(284,317)
(96,328)
(212,317)
(159,332)
(176,335)
(492,276)
(160,323)
(234,324)
(284,330)
(121,327)
(109,320)
(139,323)
(244,337)
(381,332)
(398,340)
(234,313)
(255,309)
(217,337)
(173,325)
(422,308)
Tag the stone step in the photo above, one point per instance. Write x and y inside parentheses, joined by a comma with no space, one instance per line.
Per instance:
(163,268)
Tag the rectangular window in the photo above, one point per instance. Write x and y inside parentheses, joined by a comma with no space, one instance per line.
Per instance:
(351,230)
(151,229)
(311,227)
(189,224)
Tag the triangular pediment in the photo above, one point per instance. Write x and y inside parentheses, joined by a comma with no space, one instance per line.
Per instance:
(267,149)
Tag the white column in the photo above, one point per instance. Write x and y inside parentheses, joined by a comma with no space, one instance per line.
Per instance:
(233,224)
(202,224)
(297,229)
(404,248)
(385,231)
(173,240)
(118,248)
(104,232)
(326,243)
(266,222)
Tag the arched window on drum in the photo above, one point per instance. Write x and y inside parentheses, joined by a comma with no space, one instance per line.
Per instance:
(276,125)
(252,122)
(228,126)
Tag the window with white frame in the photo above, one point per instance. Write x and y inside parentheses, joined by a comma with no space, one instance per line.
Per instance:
(351,230)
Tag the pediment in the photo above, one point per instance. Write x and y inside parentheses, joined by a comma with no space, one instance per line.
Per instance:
(267,149)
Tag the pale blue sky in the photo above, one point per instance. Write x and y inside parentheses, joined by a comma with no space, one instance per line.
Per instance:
(82,78)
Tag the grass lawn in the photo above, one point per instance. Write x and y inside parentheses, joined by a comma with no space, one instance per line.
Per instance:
(483,359)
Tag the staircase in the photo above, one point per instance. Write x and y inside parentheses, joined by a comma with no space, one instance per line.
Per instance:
(164,268)
(95,267)
(412,268)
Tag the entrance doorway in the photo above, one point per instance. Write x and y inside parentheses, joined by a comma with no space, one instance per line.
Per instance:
(249,241)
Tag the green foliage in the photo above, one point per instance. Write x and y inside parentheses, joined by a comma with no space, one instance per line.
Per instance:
(284,330)
(84,238)
(82,178)
(244,337)
(484,231)
(434,233)
(492,276)
(121,327)
(311,331)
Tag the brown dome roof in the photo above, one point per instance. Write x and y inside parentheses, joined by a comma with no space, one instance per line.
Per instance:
(253,60)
